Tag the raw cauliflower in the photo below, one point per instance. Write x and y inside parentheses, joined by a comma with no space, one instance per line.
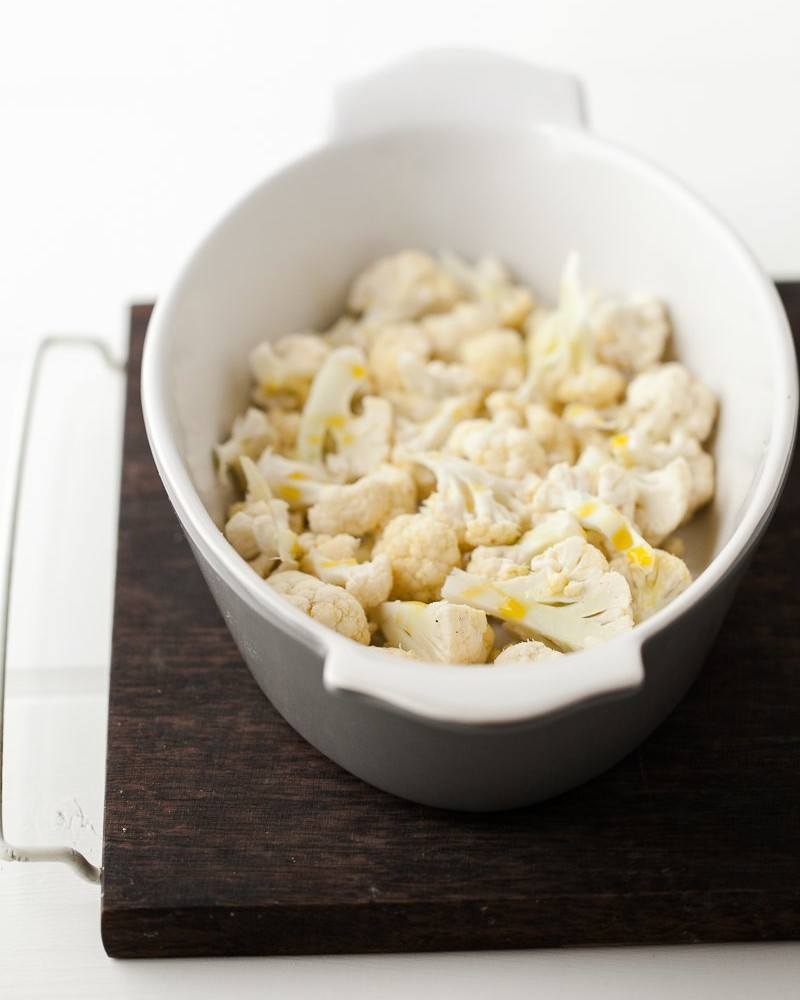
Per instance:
(590,426)
(634,449)
(653,591)
(340,508)
(325,603)
(286,367)
(286,426)
(496,358)
(364,506)
(334,559)
(667,399)
(259,527)
(251,434)
(502,562)
(656,500)
(561,481)
(449,331)
(440,632)
(391,347)
(616,533)
(552,434)
(422,550)
(488,281)
(403,286)
(563,366)
(362,442)
(599,385)
(298,483)
(525,652)
(570,597)
(425,385)
(511,452)
(261,534)
(328,408)
(481,507)
(451,448)
(434,432)
(630,333)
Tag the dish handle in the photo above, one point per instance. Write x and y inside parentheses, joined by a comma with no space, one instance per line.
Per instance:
(16,852)
(456,87)
(485,695)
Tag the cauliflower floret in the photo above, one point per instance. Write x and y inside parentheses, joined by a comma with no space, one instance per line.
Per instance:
(570,597)
(615,485)
(593,460)
(346,332)
(431,435)
(569,489)
(653,591)
(590,425)
(668,399)
(422,551)
(496,358)
(634,450)
(364,506)
(250,435)
(391,345)
(630,333)
(512,452)
(324,602)
(259,528)
(508,404)
(568,563)
(334,559)
(353,509)
(489,281)
(436,379)
(249,525)
(403,286)
(562,480)
(328,408)
(658,500)
(425,385)
(618,533)
(298,483)
(502,562)
(449,331)
(526,652)
(551,433)
(562,365)
(439,632)
(482,508)
(362,442)
(598,385)
(287,365)
(286,425)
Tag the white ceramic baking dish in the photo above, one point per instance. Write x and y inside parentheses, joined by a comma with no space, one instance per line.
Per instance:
(477,154)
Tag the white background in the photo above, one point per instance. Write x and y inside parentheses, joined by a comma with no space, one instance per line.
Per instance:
(126,129)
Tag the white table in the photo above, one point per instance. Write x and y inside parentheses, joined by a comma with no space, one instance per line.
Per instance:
(133,135)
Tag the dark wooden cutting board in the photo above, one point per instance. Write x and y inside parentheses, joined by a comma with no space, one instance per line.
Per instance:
(227,834)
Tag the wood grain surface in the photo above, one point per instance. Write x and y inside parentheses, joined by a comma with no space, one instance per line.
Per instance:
(225,833)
